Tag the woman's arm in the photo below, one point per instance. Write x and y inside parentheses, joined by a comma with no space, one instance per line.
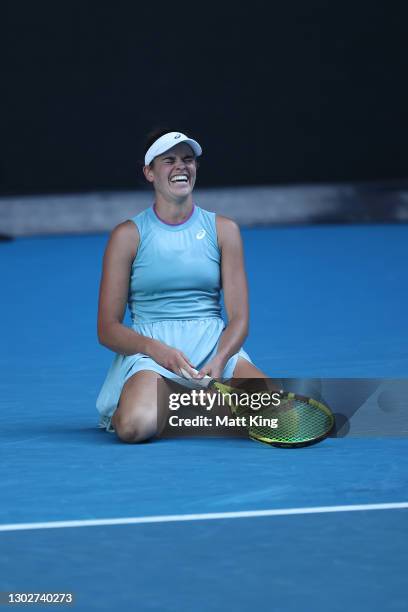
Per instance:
(113,294)
(235,289)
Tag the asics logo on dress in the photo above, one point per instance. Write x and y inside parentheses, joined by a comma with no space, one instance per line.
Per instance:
(200,235)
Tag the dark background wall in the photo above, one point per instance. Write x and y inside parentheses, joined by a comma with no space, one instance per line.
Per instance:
(275,92)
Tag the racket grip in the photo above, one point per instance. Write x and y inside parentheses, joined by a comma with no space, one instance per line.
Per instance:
(204,382)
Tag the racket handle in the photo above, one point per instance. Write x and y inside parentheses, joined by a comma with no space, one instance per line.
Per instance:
(201,382)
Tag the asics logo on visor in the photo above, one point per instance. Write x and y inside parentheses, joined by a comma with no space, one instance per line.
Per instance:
(200,235)
(177,136)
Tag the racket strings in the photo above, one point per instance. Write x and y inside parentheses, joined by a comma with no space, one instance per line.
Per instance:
(298,421)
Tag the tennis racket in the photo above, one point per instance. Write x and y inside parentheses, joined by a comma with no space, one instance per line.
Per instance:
(297,420)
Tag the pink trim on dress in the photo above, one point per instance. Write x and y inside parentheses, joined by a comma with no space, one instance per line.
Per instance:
(173,224)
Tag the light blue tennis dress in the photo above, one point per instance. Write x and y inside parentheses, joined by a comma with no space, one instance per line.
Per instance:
(174,297)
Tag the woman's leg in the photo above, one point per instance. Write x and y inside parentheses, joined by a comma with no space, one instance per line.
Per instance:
(137,417)
(245,369)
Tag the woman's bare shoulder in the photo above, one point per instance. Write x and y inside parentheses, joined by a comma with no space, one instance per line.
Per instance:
(124,239)
(227,229)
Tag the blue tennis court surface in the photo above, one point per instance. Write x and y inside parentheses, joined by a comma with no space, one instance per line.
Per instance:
(326,301)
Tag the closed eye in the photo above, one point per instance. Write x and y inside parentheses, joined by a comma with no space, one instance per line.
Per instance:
(170,160)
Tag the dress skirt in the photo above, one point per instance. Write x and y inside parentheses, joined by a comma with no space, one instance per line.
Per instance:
(197,338)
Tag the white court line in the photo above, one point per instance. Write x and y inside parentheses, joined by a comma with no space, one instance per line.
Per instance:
(211,516)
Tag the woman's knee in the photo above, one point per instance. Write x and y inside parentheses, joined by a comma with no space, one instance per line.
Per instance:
(136,428)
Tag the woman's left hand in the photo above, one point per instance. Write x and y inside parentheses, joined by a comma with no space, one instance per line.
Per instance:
(214,368)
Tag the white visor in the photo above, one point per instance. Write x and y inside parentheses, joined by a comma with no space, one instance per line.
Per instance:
(166,142)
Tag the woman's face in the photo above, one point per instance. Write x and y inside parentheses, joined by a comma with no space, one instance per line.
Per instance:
(173,174)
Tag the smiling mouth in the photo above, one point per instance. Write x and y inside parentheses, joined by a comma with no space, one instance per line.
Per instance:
(180,179)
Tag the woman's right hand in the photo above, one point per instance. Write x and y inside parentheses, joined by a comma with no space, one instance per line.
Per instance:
(170,358)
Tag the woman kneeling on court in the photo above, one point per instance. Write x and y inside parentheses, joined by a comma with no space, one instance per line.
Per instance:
(169,264)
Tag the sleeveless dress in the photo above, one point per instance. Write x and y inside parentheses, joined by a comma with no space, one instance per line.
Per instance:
(174,297)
